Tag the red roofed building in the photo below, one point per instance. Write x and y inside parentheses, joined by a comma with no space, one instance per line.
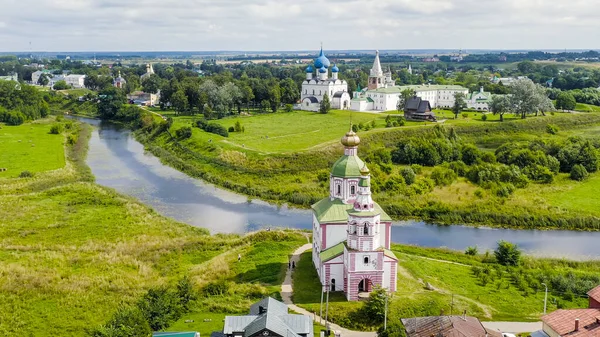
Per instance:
(594,296)
(446,326)
(575,322)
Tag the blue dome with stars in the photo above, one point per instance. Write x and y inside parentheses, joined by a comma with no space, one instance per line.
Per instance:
(309,69)
(323,70)
(335,69)
(322,61)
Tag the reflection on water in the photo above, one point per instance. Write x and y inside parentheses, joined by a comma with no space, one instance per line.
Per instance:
(119,162)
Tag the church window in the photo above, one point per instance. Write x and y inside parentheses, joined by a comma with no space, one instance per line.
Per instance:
(339,189)
(332,284)
(366,229)
(366,260)
(313,91)
(352,190)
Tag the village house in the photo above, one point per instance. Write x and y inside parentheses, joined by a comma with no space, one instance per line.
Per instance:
(446,326)
(575,322)
(479,100)
(268,318)
(75,80)
(417,108)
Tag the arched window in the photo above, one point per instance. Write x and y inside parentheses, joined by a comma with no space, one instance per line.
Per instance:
(313,91)
(366,229)
(366,260)
(339,189)
(352,189)
(332,284)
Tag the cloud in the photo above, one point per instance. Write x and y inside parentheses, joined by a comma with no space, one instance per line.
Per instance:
(75,25)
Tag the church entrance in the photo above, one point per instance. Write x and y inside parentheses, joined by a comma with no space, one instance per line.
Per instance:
(365,286)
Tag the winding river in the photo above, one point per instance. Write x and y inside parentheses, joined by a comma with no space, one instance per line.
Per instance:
(120,162)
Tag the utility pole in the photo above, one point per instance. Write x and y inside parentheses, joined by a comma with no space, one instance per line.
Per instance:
(321,313)
(385,312)
(545,297)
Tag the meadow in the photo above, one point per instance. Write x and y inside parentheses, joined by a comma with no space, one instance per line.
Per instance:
(30,147)
(72,252)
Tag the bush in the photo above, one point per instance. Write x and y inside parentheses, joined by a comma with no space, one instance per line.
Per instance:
(25,174)
(128,322)
(409,175)
(551,129)
(12,117)
(288,108)
(464,115)
(71,139)
(160,307)
(184,132)
(504,190)
(484,117)
(56,129)
(507,254)
(213,128)
(231,129)
(472,251)
(579,173)
(238,127)
(443,176)
(469,154)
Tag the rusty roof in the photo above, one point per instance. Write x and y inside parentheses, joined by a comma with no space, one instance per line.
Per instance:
(595,293)
(446,326)
(563,322)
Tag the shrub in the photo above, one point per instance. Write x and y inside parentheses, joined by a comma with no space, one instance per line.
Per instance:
(551,129)
(12,117)
(237,127)
(409,175)
(231,129)
(128,322)
(71,139)
(25,174)
(507,254)
(472,250)
(458,167)
(464,115)
(484,117)
(215,288)
(160,307)
(213,128)
(478,193)
(504,190)
(184,132)
(56,128)
(288,108)
(416,168)
(469,154)
(443,176)
(579,173)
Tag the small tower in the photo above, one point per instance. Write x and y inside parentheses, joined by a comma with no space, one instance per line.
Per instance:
(376,79)
(119,82)
(334,72)
(309,73)
(409,69)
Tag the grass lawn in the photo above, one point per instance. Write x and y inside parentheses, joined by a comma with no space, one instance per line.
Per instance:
(285,132)
(30,147)
(587,107)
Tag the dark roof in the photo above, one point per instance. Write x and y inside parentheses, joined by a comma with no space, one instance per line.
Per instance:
(269,314)
(312,99)
(446,326)
(424,107)
(338,94)
(595,293)
(417,105)
(563,322)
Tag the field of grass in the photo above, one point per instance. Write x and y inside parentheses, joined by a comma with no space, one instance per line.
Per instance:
(587,107)
(454,288)
(71,252)
(30,147)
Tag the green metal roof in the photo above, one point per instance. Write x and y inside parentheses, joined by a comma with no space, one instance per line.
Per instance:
(347,166)
(389,253)
(398,89)
(335,211)
(332,252)
(363,182)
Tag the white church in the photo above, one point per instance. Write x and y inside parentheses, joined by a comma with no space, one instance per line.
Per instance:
(351,233)
(320,83)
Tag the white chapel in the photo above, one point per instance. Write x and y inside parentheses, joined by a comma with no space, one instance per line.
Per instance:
(322,80)
(351,233)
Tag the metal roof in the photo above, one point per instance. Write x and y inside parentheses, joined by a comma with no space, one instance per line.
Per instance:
(335,211)
(332,252)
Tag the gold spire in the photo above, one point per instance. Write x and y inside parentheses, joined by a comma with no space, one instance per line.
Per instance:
(351,139)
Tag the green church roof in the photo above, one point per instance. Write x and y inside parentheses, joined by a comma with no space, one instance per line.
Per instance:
(347,166)
(363,182)
(335,211)
(332,252)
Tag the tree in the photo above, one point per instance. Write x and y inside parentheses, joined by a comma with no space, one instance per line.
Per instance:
(179,101)
(290,93)
(374,307)
(325,105)
(405,95)
(507,254)
(44,79)
(126,322)
(500,105)
(459,104)
(528,97)
(61,85)
(111,101)
(579,173)
(186,292)
(565,101)
(152,84)
(160,307)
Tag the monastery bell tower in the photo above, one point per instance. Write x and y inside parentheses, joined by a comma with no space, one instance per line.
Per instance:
(376,78)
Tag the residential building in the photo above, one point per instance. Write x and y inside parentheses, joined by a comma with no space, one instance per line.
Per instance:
(417,108)
(35,76)
(446,326)
(144,98)
(575,322)
(351,232)
(507,80)
(268,318)
(316,86)
(11,77)
(479,100)
(75,81)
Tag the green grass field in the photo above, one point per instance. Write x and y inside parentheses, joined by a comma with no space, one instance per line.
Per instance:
(30,147)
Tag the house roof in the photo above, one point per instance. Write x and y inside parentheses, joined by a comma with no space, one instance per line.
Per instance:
(335,211)
(446,326)
(269,314)
(563,322)
(418,105)
(332,252)
(595,293)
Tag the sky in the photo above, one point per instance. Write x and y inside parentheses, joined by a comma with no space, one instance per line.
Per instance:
(263,25)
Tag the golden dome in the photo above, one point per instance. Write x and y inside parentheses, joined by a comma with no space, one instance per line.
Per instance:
(365,170)
(350,139)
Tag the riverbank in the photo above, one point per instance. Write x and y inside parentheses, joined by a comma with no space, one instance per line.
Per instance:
(300,179)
